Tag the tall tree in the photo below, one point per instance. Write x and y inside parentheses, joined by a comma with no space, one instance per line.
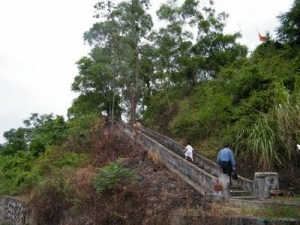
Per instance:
(95,83)
(124,28)
(192,45)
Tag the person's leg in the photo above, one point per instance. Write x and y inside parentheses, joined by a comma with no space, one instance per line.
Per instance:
(224,169)
(229,172)
(227,168)
(223,165)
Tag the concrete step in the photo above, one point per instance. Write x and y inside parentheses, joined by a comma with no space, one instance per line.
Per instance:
(236,187)
(258,203)
(246,197)
(240,193)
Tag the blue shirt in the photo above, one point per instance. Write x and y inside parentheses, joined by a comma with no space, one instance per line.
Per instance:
(226,154)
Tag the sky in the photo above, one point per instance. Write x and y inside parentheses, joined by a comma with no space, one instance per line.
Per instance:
(41,40)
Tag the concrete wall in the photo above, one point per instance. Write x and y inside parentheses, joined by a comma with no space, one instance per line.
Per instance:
(13,211)
(264,182)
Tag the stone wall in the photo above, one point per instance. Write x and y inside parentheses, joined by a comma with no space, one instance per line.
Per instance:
(13,211)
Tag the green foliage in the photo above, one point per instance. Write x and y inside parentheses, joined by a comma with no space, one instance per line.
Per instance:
(288,31)
(188,63)
(201,88)
(51,131)
(55,159)
(208,107)
(14,171)
(161,107)
(113,177)
(119,34)
(95,84)
(274,213)
(41,131)
(22,171)
(260,142)
(16,140)
(271,136)
(71,159)
(78,126)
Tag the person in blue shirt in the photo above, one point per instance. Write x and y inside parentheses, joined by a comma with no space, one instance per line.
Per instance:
(226,160)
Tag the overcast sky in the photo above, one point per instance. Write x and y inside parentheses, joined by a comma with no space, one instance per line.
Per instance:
(40,41)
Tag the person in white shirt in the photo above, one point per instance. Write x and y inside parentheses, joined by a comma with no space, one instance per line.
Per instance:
(188,151)
(298,146)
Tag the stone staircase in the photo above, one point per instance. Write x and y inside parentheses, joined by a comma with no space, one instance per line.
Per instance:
(203,173)
(237,190)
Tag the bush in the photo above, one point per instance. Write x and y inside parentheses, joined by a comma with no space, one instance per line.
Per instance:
(48,203)
(113,176)
(14,170)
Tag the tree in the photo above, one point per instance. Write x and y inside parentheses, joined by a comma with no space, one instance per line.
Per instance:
(16,140)
(190,59)
(122,31)
(40,131)
(95,83)
(47,130)
(289,29)
(191,49)
(265,106)
(213,49)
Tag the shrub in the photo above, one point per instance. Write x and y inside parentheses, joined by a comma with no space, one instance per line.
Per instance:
(14,170)
(113,176)
(48,203)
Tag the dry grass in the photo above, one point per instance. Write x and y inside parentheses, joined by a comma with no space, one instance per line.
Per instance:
(155,157)
(82,179)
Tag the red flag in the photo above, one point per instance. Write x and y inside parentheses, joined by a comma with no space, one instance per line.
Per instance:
(261,38)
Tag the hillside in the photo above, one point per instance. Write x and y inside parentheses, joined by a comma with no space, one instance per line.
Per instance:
(70,192)
(158,197)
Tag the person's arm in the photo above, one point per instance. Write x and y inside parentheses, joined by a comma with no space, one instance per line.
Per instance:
(218,159)
(232,160)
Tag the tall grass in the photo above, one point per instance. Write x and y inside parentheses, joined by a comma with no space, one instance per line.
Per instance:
(260,143)
(287,116)
(273,136)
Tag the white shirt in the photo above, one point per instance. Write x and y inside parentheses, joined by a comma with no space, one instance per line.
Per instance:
(189,149)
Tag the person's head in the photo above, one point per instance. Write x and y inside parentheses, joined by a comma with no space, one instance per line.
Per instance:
(226,145)
(188,143)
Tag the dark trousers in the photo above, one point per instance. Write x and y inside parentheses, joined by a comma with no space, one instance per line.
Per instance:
(226,168)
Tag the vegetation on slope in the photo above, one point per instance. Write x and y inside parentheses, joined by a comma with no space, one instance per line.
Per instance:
(201,86)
